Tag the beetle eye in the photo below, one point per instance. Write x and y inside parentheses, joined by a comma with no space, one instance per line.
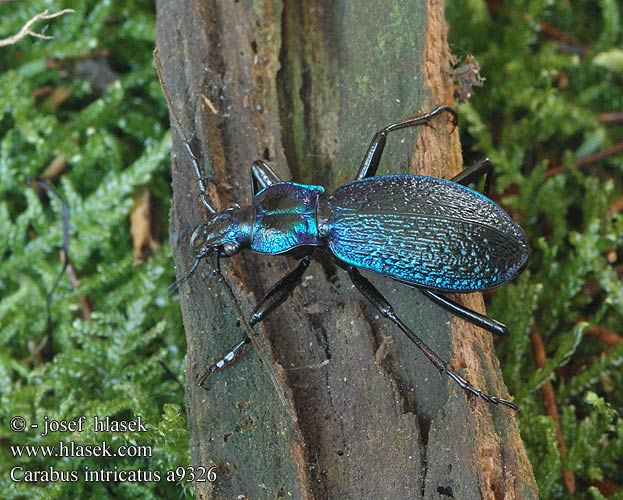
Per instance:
(230,248)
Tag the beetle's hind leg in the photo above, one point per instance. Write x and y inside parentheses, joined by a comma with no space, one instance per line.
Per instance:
(370,292)
(467,314)
(371,160)
(475,172)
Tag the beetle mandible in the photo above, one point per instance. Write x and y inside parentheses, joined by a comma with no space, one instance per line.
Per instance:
(432,234)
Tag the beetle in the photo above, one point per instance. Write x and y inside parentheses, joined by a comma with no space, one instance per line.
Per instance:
(436,235)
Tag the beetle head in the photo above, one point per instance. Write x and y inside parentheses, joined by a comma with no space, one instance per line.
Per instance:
(226,233)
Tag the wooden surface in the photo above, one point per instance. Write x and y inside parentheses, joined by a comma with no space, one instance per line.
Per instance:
(304,85)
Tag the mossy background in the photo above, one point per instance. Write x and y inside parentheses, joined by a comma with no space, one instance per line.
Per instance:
(552,68)
(104,112)
(536,116)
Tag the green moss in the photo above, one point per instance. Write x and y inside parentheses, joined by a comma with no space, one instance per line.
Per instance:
(112,130)
(539,110)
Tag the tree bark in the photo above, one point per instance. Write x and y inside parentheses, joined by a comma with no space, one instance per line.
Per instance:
(304,85)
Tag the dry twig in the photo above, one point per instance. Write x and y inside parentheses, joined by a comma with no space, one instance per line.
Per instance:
(26,31)
(551,408)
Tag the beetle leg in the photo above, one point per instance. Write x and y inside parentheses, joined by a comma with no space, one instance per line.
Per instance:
(375,297)
(232,355)
(371,160)
(475,172)
(276,296)
(279,292)
(262,175)
(467,314)
(204,197)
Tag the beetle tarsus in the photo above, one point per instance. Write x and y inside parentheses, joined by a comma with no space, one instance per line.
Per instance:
(477,392)
(228,359)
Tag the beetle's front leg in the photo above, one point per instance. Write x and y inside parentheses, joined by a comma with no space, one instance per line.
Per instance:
(276,296)
(279,292)
(262,176)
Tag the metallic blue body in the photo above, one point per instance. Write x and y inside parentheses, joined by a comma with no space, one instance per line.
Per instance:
(432,234)
(285,217)
(421,230)
(425,231)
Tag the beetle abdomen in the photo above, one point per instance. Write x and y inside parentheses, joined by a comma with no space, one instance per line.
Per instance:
(426,231)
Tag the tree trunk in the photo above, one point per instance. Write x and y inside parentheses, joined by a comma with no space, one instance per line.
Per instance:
(362,414)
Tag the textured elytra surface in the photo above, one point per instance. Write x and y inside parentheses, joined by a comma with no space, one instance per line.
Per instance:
(426,231)
(285,217)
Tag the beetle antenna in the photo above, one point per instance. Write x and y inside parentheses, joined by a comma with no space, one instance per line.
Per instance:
(173,287)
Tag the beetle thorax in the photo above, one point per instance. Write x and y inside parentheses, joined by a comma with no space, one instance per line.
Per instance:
(227,233)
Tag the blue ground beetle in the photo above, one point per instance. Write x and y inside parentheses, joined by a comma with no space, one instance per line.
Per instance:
(431,234)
